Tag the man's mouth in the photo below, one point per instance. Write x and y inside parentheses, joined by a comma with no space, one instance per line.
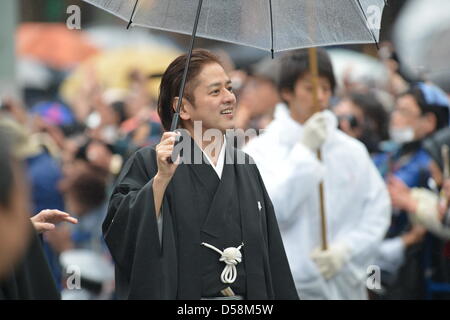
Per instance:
(227,111)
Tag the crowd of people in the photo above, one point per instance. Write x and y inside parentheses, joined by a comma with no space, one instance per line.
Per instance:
(382,181)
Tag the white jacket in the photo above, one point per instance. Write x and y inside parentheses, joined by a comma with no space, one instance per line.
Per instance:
(357,204)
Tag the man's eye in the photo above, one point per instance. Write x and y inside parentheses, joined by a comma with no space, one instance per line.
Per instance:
(215,91)
(230,89)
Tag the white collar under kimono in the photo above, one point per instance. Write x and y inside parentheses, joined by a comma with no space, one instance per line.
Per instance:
(230,256)
(218,168)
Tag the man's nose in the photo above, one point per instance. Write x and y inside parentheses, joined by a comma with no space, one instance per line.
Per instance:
(321,95)
(229,97)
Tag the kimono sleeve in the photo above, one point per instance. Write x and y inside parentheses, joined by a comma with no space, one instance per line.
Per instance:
(131,233)
(31,279)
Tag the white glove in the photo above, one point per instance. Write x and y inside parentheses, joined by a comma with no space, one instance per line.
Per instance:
(314,131)
(331,261)
(427,213)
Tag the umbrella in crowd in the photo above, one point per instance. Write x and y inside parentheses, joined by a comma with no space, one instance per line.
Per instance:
(151,61)
(53,44)
(422,38)
(359,68)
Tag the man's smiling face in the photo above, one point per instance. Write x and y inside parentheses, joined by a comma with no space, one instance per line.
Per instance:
(213,102)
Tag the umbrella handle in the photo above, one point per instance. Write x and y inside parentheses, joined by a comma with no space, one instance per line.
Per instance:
(175,151)
(173,128)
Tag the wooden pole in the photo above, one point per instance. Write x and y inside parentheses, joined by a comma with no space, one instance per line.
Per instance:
(314,71)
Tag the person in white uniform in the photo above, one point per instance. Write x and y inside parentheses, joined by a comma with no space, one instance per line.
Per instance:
(357,204)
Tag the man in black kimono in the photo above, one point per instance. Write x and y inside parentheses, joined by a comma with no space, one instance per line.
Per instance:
(31,278)
(24,270)
(169,222)
(14,212)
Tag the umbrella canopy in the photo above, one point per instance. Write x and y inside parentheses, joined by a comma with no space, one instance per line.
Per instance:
(422,37)
(113,68)
(274,25)
(53,44)
(361,68)
(265,24)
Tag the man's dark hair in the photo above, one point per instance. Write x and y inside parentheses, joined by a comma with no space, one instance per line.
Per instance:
(295,65)
(441,112)
(89,188)
(373,111)
(171,82)
(6,170)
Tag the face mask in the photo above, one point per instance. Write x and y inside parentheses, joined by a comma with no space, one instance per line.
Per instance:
(401,135)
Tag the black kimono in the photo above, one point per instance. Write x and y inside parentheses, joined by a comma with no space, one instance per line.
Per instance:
(197,207)
(31,278)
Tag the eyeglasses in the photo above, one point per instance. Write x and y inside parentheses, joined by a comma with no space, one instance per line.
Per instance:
(350,118)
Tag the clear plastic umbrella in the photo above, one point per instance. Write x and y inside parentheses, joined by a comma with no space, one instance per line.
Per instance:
(422,38)
(264,24)
(274,25)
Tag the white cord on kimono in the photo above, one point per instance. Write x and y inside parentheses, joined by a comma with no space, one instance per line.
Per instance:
(231,256)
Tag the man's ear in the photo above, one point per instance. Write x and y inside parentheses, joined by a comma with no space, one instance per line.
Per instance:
(431,122)
(184,109)
(286,95)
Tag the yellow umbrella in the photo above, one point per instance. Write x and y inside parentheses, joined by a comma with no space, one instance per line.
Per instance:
(112,69)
